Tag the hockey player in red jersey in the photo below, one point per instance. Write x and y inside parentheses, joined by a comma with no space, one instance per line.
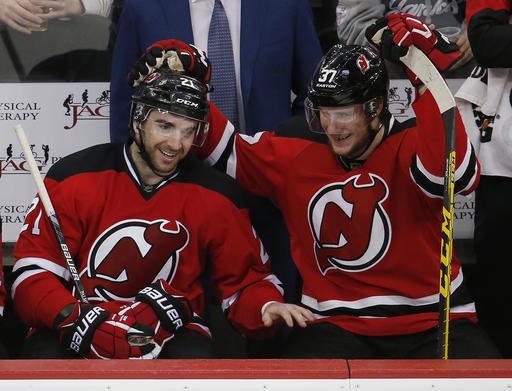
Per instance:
(364,208)
(144,223)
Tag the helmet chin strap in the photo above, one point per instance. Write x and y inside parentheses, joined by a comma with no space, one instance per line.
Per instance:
(373,133)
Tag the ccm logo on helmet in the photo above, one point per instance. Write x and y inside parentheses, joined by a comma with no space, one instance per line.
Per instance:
(187,102)
(166,306)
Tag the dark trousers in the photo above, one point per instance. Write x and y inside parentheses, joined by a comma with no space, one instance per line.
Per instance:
(325,340)
(44,344)
(3,352)
(493,250)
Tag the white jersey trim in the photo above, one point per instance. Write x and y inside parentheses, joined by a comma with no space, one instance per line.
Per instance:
(214,157)
(439,180)
(22,277)
(45,265)
(327,305)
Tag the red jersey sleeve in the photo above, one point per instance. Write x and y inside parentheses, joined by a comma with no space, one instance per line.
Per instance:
(240,271)
(39,291)
(259,163)
(424,151)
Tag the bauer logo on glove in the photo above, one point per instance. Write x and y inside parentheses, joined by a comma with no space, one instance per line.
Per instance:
(90,319)
(174,311)
(166,304)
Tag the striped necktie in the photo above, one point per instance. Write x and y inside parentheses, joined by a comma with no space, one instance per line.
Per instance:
(220,53)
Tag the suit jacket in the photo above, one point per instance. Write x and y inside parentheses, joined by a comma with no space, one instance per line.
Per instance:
(279,51)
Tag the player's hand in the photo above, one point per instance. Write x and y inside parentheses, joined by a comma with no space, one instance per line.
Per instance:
(20,15)
(462,43)
(144,314)
(93,332)
(396,32)
(289,314)
(176,55)
(60,8)
(173,310)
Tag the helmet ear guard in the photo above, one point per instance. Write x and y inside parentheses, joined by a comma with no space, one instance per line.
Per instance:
(370,108)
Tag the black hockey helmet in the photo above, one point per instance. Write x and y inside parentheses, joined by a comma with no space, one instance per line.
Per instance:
(346,75)
(175,93)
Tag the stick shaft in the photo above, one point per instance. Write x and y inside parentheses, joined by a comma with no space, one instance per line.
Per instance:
(50,212)
(417,62)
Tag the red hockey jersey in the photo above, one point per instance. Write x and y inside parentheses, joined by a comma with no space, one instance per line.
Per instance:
(366,241)
(124,236)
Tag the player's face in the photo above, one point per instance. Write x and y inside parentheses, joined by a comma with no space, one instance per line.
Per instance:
(167,139)
(346,128)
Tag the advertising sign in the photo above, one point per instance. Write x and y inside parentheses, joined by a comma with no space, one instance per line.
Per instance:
(58,118)
(61,118)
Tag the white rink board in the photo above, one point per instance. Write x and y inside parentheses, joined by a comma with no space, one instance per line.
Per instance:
(477,384)
(177,385)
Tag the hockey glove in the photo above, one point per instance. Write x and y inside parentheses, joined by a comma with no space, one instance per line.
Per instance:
(174,54)
(173,311)
(396,32)
(93,332)
(144,314)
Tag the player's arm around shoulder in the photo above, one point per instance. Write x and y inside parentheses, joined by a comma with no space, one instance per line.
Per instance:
(239,267)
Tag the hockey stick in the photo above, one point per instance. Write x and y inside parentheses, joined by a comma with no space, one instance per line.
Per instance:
(133,340)
(50,212)
(418,63)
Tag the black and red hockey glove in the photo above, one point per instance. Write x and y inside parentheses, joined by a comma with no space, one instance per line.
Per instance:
(143,313)
(93,332)
(173,310)
(394,34)
(176,55)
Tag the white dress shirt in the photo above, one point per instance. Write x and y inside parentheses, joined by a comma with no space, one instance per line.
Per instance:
(97,7)
(200,15)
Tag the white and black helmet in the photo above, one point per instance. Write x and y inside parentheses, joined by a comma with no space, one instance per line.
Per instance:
(175,93)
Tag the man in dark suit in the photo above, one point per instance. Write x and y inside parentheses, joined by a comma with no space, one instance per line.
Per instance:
(275,45)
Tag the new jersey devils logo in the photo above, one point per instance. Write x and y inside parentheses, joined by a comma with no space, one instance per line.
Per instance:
(362,63)
(133,250)
(350,227)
